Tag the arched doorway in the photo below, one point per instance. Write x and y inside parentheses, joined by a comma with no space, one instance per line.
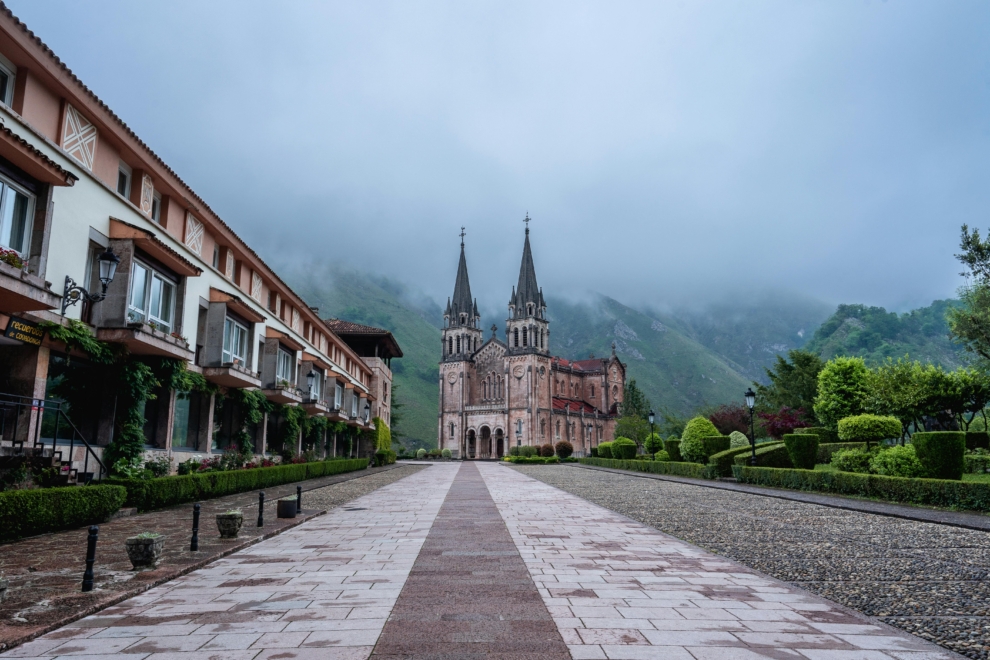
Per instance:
(471,444)
(485,445)
(499,443)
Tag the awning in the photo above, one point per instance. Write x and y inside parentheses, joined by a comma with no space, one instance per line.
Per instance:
(35,163)
(284,338)
(236,305)
(150,244)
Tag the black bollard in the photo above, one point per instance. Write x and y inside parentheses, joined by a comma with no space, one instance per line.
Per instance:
(298,499)
(94,534)
(194,544)
(261,509)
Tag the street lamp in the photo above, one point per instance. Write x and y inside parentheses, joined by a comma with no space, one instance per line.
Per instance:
(588,452)
(73,293)
(518,433)
(311,380)
(367,412)
(652,417)
(751,403)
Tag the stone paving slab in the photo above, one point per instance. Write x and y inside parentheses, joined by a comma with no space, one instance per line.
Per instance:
(45,571)
(618,589)
(320,590)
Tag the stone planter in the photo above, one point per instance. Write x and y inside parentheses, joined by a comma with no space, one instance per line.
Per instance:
(287,508)
(4,583)
(229,524)
(144,552)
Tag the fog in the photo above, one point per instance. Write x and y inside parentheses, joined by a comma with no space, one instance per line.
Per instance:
(667,153)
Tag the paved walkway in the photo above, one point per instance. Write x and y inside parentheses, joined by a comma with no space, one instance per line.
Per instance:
(453,562)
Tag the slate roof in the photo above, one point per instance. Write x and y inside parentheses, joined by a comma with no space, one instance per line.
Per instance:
(462,302)
(527,290)
(573,406)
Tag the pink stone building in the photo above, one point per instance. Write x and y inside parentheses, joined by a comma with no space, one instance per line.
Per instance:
(495,393)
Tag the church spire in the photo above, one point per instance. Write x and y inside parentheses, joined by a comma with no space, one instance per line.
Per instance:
(527,298)
(461,309)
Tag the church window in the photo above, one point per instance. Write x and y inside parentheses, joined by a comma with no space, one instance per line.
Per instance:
(515,335)
(558,430)
(458,344)
(543,428)
(451,431)
(592,391)
(524,336)
(450,345)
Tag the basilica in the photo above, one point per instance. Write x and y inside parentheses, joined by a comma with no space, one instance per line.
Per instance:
(495,393)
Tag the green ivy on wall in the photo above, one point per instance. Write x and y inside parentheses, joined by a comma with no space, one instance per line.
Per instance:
(383,435)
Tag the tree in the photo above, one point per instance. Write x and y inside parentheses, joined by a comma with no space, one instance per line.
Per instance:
(730,417)
(634,402)
(970,323)
(842,390)
(396,416)
(670,423)
(780,423)
(633,427)
(793,383)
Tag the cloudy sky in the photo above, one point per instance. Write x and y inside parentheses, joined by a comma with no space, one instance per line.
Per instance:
(666,151)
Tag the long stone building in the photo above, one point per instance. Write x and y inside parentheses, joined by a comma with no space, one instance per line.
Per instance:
(495,393)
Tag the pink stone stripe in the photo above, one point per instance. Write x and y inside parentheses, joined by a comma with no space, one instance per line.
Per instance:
(321,590)
(618,589)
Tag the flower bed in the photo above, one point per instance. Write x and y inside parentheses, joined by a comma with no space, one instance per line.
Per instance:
(29,512)
(694,470)
(927,492)
(149,494)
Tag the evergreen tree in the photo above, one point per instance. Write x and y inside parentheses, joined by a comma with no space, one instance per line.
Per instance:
(793,383)
(634,402)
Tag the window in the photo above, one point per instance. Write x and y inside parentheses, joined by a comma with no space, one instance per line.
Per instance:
(524,336)
(314,394)
(284,366)
(216,256)
(156,208)
(6,83)
(124,180)
(152,297)
(592,391)
(354,405)
(16,214)
(234,341)
(338,396)
(515,334)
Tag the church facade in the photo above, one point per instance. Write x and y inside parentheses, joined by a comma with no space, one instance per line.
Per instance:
(495,393)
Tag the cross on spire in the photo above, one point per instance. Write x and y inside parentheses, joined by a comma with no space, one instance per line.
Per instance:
(462,236)
(526,220)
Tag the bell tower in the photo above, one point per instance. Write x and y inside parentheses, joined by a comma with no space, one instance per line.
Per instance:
(462,333)
(527,329)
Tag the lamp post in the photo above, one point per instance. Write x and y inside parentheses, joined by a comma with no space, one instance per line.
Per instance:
(652,417)
(311,381)
(588,452)
(518,433)
(73,293)
(751,404)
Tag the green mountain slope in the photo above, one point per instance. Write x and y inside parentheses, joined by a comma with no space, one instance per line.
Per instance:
(387,304)
(674,371)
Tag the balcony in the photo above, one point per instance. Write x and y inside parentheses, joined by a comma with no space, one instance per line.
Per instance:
(284,394)
(336,414)
(232,374)
(146,339)
(22,292)
(316,407)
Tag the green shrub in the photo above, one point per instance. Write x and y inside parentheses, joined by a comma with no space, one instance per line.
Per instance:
(976,463)
(623,449)
(869,428)
(842,389)
(692,448)
(825,436)
(661,456)
(149,494)
(594,452)
(826,450)
(802,450)
(528,451)
(653,443)
(673,447)
(713,444)
(693,470)
(514,450)
(722,462)
(973,496)
(605,450)
(897,462)
(767,455)
(852,460)
(737,439)
(420,453)
(564,449)
(941,453)
(533,460)
(977,440)
(384,457)
(445,453)
(29,512)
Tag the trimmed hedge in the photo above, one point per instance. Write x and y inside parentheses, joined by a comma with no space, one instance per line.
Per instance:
(149,494)
(694,470)
(977,440)
(623,449)
(869,428)
(826,450)
(825,436)
(29,512)
(714,444)
(661,455)
(802,449)
(722,462)
(673,447)
(768,455)
(976,463)
(972,496)
(605,450)
(384,457)
(532,460)
(941,453)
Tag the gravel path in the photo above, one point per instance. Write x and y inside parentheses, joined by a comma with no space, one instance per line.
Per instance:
(329,497)
(927,579)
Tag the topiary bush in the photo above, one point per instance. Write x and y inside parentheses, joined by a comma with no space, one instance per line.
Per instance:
(852,460)
(802,450)
(721,463)
(897,462)
(605,450)
(737,439)
(693,470)
(445,453)
(869,428)
(825,450)
(546,451)
(514,450)
(564,449)
(977,440)
(977,463)
(661,456)
(767,455)
(623,449)
(941,453)
(594,452)
(692,448)
(825,436)
(528,451)
(713,444)
(673,448)
(37,511)
(653,443)
(420,453)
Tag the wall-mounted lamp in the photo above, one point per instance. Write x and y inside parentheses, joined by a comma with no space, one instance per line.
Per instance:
(73,293)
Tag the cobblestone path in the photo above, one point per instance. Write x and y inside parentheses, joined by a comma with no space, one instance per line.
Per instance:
(472,561)
(930,580)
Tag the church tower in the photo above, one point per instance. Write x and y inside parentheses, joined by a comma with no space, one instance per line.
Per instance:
(462,334)
(527,329)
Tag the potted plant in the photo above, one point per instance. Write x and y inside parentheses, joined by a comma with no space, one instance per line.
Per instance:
(145,549)
(287,507)
(229,523)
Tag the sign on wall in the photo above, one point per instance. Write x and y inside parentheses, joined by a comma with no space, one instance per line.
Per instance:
(24,331)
